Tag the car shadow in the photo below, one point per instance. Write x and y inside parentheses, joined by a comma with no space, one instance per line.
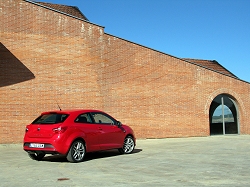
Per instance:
(88,156)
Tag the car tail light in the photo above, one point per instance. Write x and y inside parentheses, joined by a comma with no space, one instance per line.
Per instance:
(60,129)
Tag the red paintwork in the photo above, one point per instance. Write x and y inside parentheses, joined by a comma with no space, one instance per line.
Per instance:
(96,136)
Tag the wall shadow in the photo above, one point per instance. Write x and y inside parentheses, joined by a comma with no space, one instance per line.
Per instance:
(12,70)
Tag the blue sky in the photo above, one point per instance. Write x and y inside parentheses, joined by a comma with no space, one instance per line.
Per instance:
(202,29)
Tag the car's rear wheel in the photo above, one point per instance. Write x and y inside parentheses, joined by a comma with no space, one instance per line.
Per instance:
(76,152)
(128,145)
(37,155)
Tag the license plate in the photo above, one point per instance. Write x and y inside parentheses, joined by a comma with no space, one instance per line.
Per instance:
(37,145)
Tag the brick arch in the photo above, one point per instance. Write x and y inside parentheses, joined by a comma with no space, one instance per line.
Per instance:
(238,101)
(228,92)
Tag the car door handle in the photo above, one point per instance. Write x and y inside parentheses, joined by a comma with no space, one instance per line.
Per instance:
(99,128)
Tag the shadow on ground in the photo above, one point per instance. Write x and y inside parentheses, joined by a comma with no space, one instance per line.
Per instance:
(89,156)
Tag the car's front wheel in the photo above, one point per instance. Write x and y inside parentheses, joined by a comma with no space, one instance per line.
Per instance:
(76,152)
(128,145)
(38,155)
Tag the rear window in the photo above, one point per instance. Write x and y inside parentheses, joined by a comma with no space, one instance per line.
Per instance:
(50,118)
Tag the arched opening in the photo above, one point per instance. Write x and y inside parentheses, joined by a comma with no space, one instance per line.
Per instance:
(223,116)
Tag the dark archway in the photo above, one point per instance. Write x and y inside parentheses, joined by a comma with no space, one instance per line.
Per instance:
(223,116)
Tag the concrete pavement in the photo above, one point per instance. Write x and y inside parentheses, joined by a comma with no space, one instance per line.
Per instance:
(200,161)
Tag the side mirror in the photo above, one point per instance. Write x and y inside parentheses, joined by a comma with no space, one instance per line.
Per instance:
(118,123)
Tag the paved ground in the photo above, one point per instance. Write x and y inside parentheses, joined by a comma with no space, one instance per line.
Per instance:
(201,161)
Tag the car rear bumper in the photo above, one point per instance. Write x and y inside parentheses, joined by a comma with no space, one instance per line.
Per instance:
(48,148)
(55,146)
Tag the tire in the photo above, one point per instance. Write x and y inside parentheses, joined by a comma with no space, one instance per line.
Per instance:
(38,155)
(128,145)
(76,152)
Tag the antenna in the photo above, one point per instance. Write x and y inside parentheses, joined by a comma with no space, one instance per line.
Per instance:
(58,106)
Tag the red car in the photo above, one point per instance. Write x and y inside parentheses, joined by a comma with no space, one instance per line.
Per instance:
(73,133)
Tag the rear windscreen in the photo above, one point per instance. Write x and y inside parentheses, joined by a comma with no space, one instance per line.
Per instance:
(50,118)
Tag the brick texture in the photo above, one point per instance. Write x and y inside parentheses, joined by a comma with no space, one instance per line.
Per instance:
(48,58)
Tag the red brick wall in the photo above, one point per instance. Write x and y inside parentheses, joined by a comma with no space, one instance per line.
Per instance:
(48,58)
(164,96)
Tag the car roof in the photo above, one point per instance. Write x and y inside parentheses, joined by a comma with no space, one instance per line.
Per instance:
(71,111)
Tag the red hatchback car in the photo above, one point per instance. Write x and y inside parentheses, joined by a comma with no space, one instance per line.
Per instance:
(74,132)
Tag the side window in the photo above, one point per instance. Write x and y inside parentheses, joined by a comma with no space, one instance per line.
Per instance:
(83,118)
(102,118)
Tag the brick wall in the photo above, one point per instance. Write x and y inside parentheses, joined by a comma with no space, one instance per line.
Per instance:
(48,58)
